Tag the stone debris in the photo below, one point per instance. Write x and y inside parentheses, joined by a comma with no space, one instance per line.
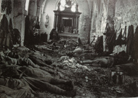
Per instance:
(92,76)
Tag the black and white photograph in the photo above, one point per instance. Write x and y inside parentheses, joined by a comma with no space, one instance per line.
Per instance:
(68,48)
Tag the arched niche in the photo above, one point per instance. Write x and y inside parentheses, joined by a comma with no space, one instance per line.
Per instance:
(66,17)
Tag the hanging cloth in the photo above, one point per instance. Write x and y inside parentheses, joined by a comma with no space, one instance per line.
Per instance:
(124,35)
(129,40)
(136,43)
(8,39)
(37,26)
(5,32)
(119,39)
(99,45)
(10,25)
(4,26)
(27,31)
(11,34)
(17,36)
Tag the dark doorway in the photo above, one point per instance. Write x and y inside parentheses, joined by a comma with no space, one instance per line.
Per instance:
(67,23)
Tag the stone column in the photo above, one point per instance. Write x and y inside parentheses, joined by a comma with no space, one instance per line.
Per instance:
(12,14)
(74,23)
(57,22)
(38,11)
(0,9)
(32,7)
(23,23)
(77,23)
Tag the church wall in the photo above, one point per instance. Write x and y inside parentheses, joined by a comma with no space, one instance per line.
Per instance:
(118,13)
(126,13)
(8,16)
(121,12)
(84,20)
(48,10)
(19,17)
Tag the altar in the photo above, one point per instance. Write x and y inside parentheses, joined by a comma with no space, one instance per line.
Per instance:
(66,22)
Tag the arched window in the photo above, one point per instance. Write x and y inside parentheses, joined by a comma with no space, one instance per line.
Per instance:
(67,4)
(27,5)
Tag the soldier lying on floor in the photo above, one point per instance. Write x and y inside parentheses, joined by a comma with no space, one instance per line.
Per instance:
(101,61)
(35,57)
(22,59)
(17,61)
(109,61)
(36,78)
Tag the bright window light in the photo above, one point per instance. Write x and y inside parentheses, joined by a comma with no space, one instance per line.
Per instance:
(62,8)
(73,8)
(63,4)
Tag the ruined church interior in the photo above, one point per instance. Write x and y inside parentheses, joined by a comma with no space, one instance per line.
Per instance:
(68,48)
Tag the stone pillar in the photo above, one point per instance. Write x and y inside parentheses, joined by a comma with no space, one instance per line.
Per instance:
(111,12)
(0,9)
(104,43)
(23,23)
(22,30)
(32,7)
(38,11)
(57,22)
(40,6)
(76,23)
(12,14)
